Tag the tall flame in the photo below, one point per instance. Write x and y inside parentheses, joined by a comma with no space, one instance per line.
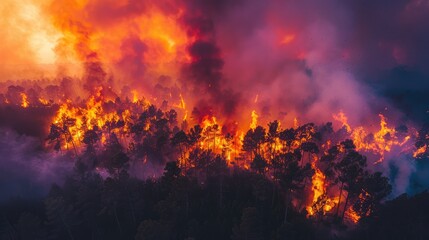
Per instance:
(254,122)
(24,102)
(318,187)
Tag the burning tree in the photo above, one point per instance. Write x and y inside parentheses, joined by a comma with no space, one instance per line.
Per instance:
(152,88)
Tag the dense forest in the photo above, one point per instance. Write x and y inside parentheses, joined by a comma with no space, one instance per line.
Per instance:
(214,119)
(275,184)
(177,207)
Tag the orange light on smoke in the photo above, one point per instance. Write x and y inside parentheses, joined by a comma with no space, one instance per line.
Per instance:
(288,39)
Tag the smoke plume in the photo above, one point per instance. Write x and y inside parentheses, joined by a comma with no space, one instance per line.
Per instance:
(284,59)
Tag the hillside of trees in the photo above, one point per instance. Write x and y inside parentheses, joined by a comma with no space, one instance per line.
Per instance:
(265,192)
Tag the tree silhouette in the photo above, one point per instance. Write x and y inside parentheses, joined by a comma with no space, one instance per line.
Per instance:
(180,139)
(253,140)
(249,144)
(351,174)
(288,136)
(54,135)
(375,188)
(272,136)
(194,135)
(259,164)
(171,171)
(113,157)
(291,176)
(311,148)
(332,167)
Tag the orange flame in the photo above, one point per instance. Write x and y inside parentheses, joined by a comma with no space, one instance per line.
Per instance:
(382,141)
(352,215)
(319,189)
(420,151)
(341,117)
(254,122)
(24,101)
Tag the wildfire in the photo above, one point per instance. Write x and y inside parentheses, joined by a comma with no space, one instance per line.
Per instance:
(182,105)
(330,204)
(135,96)
(319,191)
(318,188)
(379,143)
(254,122)
(105,117)
(24,102)
(420,151)
(352,215)
(43,101)
(182,102)
(295,123)
(157,81)
(342,118)
(92,116)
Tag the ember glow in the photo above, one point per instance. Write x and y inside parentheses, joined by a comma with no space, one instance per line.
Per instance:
(268,83)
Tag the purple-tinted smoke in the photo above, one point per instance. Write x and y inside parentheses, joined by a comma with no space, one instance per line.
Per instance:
(27,171)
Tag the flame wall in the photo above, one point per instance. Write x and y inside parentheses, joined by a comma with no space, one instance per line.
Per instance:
(282,59)
(303,59)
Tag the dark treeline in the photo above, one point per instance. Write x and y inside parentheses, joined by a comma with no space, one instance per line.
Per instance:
(263,193)
(178,207)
